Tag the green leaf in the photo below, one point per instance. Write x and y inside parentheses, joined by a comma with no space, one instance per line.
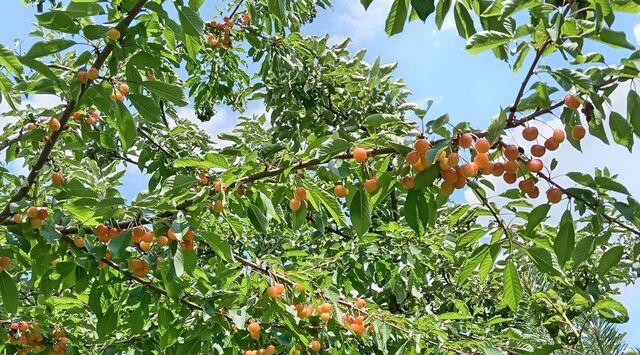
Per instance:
(166,91)
(416,211)
(216,161)
(258,218)
(41,49)
(484,40)
(633,111)
(6,87)
(108,322)
(616,39)
(542,259)
(221,247)
(277,8)
(83,9)
(470,237)
(332,146)
(441,11)
(126,127)
(607,183)
(512,288)
(146,107)
(360,211)
(565,239)
(190,20)
(464,22)
(612,310)
(9,61)
(380,119)
(423,8)
(536,216)
(621,130)
(583,250)
(178,262)
(397,17)
(568,78)
(118,244)
(496,127)
(609,259)
(329,201)
(9,293)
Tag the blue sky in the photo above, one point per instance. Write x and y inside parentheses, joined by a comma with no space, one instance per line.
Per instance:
(435,67)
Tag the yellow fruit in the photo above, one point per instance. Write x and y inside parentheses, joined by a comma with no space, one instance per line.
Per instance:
(113,34)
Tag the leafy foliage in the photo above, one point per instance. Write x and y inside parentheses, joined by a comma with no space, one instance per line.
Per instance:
(288,225)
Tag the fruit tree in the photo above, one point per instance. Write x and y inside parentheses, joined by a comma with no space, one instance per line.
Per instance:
(327,225)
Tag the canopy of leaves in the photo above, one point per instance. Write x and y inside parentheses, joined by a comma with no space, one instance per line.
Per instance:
(188,264)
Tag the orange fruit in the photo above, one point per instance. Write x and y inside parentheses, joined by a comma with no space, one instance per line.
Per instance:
(571,102)
(421,146)
(340,191)
(551,144)
(510,178)
(482,160)
(92,73)
(162,241)
(530,133)
(371,184)
(300,194)
(412,157)
(218,206)
(554,195)
(482,145)
(453,159)
(538,150)
(359,154)
(511,152)
(295,204)
(315,345)
(408,182)
(113,34)
(558,136)
(497,169)
(578,132)
(535,165)
(54,124)
(466,140)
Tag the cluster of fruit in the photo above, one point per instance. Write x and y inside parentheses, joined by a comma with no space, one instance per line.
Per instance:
(36,215)
(269,350)
(84,76)
(454,176)
(299,199)
(91,119)
(143,239)
(119,94)
(218,204)
(324,311)
(254,331)
(30,340)
(219,33)
(139,267)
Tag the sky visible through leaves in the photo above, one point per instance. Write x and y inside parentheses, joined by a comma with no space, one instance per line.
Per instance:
(435,67)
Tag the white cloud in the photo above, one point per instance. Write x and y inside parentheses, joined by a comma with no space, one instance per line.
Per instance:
(636,32)
(220,122)
(360,24)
